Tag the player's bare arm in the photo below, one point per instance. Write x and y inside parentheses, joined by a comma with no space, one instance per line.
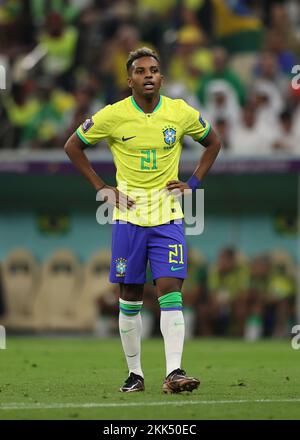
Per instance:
(212,146)
(74,148)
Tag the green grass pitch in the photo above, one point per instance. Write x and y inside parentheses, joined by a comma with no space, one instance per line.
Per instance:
(70,378)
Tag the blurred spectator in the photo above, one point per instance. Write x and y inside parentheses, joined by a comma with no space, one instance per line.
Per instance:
(191,58)
(281,299)
(270,298)
(292,24)
(287,139)
(222,103)
(222,128)
(259,278)
(227,283)
(267,105)
(221,72)
(268,91)
(155,6)
(251,137)
(256,297)
(177,90)
(21,108)
(60,41)
(194,291)
(154,18)
(68,10)
(16,31)
(267,70)
(284,21)
(276,43)
(83,108)
(201,13)
(48,124)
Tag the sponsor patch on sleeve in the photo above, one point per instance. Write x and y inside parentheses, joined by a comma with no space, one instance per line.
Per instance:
(88,123)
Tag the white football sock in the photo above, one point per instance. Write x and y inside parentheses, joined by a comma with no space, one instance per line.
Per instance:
(172,329)
(131,332)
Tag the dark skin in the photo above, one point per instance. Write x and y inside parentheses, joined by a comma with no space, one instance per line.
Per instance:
(145,80)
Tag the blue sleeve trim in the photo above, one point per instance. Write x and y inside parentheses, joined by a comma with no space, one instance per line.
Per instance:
(205,134)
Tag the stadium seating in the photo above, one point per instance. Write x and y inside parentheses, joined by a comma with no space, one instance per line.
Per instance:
(55,305)
(95,285)
(20,282)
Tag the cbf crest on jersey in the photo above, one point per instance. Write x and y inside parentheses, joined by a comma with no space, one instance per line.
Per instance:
(121,264)
(169,135)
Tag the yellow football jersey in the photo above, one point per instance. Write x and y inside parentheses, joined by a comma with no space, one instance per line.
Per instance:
(146,149)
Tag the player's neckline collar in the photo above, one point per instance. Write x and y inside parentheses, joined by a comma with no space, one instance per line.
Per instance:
(139,108)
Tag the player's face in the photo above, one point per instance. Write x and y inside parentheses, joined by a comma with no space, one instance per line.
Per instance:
(145,78)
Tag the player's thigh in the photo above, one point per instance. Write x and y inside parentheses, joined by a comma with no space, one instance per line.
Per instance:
(131,292)
(167,285)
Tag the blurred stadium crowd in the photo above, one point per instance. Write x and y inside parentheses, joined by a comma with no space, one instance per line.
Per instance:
(232,59)
(233,296)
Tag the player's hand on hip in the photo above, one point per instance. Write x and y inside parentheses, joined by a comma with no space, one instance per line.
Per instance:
(116,198)
(176,188)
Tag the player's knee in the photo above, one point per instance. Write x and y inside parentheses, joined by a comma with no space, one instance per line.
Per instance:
(170,286)
(131,292)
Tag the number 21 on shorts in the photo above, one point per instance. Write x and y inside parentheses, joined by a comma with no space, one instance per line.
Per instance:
(176,254)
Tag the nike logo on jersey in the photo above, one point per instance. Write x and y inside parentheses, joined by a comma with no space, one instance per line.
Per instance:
(175,268)
(124,139)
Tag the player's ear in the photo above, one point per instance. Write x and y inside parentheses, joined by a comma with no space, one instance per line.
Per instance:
(129,82)
(162,78)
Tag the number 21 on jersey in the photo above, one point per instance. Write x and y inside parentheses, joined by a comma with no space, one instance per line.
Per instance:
(148,160)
